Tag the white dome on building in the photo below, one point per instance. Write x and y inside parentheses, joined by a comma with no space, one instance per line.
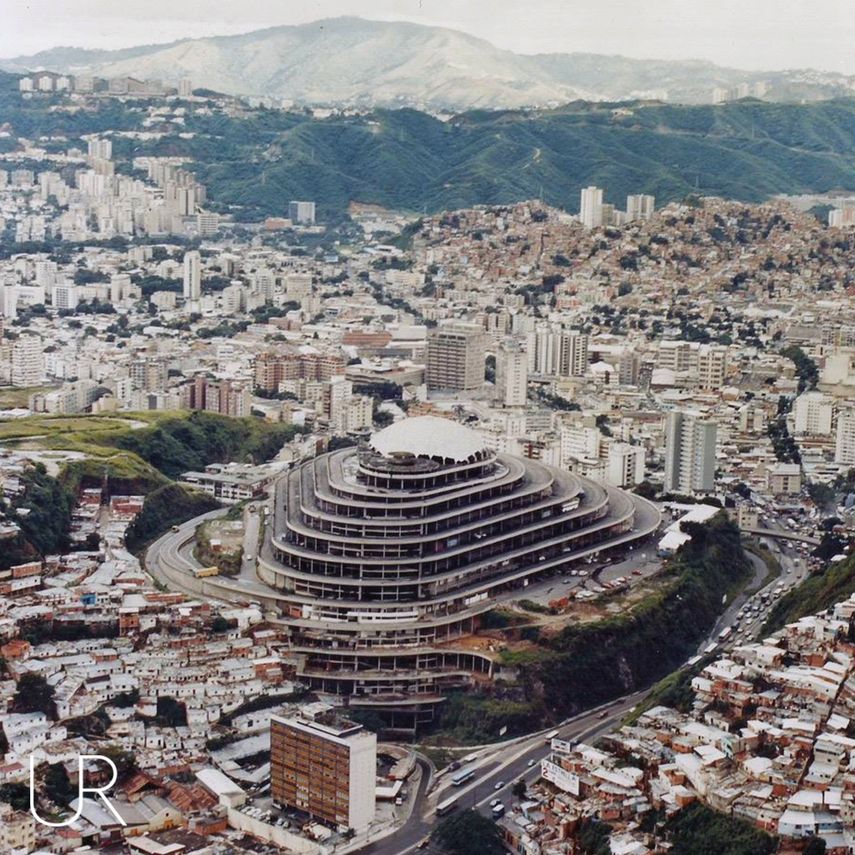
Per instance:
(429,436)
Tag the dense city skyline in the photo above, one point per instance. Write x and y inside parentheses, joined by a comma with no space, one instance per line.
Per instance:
(407,445)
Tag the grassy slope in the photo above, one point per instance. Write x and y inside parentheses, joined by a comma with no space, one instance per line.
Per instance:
(141,452)
(12,397)
(699,830)
(815,594)
(92,436)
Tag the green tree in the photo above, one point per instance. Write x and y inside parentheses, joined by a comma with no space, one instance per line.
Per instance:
(519,789)
(469,832)
(594,837)
(220,624)
(57,784)
(47,505)
(490,368)
(126,699)
(698,830)
(171,712)
(16,795)
(34,694)
(166,506)
(806,368)
(646,490)
(815,846)
(823,496)
(125,761)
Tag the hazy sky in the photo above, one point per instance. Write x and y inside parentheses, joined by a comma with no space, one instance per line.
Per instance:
(752,34)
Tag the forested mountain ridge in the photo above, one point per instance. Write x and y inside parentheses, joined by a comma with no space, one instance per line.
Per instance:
(255,160)
(409,160)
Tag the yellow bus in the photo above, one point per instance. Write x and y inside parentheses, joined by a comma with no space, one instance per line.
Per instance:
(201,572)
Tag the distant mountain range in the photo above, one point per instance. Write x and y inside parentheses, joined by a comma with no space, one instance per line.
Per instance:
(351,61)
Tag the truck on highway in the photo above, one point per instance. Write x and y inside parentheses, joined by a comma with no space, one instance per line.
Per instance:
(553,734)
(498,811)
(202,572)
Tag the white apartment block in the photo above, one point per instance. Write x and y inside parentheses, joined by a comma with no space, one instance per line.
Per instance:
(302,213)
(591,207)
(557,352)
(813,414)
(640,207)
(839,218)
(192,275)
(689,453)
(65,296)
(120,287)
(712,366)
(580,442)
(844,448)
(28,362)
(511,375)
(624,465)
(704,365)
(358,413)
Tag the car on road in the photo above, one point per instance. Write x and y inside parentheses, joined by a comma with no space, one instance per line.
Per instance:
(603,714)
(494,802)
(499,785)
(248,557)
(531,763)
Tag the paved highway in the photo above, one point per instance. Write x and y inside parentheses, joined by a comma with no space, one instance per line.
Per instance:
(783,534)
(507,764)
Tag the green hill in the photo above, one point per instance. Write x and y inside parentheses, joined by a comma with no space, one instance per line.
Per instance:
(815,594)
(593,663)
(255,162)
(584,665)
(405,159)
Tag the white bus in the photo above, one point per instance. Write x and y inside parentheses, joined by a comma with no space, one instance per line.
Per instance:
(446,806)
(462,777)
